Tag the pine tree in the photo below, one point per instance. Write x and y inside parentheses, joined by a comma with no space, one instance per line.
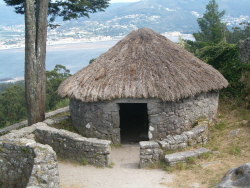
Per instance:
(36,15)
(212,30)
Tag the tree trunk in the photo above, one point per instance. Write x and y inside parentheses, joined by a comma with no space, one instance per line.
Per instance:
(35,53)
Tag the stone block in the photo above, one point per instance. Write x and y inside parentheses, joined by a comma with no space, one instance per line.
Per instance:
(146,151)
(146,156)
(148,145)
(178,139)
(157,151)
(173,146)
(182,145)
(201,151)
(170,140)
(164,145)
(187,154)
(156,157)
(175,157)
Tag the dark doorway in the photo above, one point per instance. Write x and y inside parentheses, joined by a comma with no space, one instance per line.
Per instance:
(133,122)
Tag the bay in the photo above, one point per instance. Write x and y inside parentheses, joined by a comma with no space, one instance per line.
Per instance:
(73,56)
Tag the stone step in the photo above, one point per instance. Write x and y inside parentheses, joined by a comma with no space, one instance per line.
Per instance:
(174,158)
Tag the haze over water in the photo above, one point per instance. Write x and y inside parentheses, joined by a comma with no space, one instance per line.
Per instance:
(73,56)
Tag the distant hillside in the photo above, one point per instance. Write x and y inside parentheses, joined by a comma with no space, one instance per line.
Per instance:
(159,15)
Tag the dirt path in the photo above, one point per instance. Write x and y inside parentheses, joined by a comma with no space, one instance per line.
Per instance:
(124,174)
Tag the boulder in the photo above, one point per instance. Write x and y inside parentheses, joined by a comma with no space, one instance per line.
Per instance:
(236,177)
(244,51)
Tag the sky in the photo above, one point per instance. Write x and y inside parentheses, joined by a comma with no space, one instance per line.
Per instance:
(111,1)
(124,1)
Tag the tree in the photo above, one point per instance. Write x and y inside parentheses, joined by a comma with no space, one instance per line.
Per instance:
(53,79)
(241,32)
(36,13)
(212,30)
(12,96)
(12,105)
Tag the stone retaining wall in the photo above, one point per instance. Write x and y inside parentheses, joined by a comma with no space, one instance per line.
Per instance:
(152,151)
(73,146)
(24,163)
(182,157)
(197,135)
(66,144)
(21,124)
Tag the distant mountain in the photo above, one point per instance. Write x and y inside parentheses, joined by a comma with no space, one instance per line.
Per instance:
(159,15)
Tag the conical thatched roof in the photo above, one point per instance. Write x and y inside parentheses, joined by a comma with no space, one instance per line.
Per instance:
(144,64)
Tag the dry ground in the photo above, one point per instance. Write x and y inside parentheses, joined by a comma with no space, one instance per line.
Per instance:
(123,174)
(229,139)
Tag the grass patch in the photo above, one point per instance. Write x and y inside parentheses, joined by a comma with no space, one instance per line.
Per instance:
(157,164)
(220,126)
(234,150)
(83,161)
(191,160)
(205,156)
(111,165)
(116,145)
(66,125)
(181,166)
(62,103)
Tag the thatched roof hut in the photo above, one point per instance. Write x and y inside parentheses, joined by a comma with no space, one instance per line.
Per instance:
(144,64)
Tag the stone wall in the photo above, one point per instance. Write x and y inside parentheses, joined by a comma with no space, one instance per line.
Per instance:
(21,124)
(173,118)
(24,163)
(101,119)
(152,151)
(244,51)
(66,144)
(75,147)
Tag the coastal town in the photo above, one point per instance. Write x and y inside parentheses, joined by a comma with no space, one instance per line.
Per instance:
(73,35)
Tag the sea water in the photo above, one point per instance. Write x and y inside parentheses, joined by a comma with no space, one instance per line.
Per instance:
(73,56)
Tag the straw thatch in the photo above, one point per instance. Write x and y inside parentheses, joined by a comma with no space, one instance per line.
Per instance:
(144,64)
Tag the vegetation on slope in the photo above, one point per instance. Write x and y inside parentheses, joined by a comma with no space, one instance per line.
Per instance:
(12,97)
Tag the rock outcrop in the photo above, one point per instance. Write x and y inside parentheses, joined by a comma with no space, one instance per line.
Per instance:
(244,51)
(236,177)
